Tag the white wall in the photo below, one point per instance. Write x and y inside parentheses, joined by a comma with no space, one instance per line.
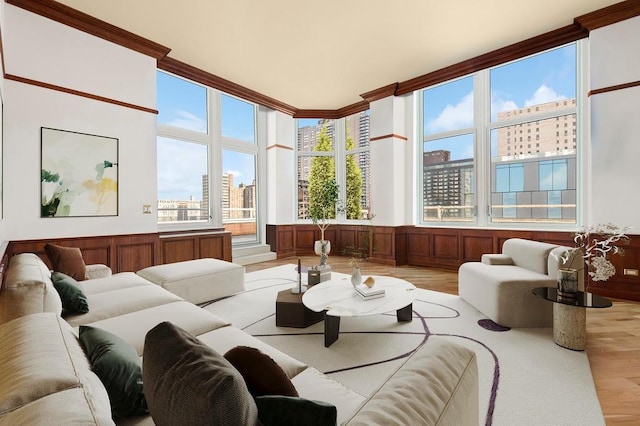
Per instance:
(615,125)
(282,178)
(44,50)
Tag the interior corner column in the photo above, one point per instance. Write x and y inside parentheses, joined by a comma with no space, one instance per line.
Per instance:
(390,161)
(281,170)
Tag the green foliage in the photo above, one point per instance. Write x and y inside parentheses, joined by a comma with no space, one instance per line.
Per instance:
(47,176)
(354,184)
(323,189)
(324,192)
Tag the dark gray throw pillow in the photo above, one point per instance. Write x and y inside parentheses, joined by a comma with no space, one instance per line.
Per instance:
(118,366)
(73,298)
(188,383)
(262,375)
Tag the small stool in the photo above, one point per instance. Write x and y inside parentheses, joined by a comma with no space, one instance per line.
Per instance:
(197,281)
(290,312)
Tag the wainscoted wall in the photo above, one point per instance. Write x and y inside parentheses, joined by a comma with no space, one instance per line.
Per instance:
(133,252)
(445,248)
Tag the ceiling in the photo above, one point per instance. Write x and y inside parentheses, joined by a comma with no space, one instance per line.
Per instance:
(323,55)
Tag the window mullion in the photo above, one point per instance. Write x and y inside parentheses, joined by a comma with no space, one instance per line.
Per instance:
(482,105)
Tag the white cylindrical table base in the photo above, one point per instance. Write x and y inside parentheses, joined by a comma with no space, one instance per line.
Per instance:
(570,326)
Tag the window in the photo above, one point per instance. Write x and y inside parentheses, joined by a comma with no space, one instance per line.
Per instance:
(357,170)
(335,149)
(182,181)
(192,148)
(181,104)
(239,165)
(547,80)
(528,184)
(448,152)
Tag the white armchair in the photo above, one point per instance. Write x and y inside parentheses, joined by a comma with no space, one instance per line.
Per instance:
(500,285)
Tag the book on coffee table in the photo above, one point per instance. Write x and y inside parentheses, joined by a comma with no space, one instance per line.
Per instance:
(369,293)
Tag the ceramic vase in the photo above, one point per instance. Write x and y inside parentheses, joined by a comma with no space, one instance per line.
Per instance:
(356,277)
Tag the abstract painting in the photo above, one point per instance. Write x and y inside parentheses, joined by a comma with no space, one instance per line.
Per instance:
(79,174)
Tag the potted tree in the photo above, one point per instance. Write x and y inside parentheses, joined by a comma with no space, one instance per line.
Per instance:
(324,203)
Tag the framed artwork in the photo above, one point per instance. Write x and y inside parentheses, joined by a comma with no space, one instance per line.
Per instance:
(79,174)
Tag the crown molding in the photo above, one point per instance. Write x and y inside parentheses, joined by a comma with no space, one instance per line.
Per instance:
(195,74)
(609,15)
(576,31)
(74,18)
(512,52)
(381,93)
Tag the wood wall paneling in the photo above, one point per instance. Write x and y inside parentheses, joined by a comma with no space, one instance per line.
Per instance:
(304,240)
(210,246)
(178,249)
(474,246)
(123,253)
(133,257)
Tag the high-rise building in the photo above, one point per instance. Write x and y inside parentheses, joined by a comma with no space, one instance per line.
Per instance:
(447,186)
(547,135)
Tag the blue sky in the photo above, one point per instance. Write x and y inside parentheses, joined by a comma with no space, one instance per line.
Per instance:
(535,80)
(184,104)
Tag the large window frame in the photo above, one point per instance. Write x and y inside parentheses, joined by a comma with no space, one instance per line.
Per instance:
(482,129)
(217,144)
(339,154)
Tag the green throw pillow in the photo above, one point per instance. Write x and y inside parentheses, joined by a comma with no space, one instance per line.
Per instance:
(73,298)
(276,410)
(118,366)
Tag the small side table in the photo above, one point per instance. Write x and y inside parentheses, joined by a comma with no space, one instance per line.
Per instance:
(570,315)
(290,312)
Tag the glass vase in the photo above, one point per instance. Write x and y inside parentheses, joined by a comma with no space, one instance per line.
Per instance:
(567,280)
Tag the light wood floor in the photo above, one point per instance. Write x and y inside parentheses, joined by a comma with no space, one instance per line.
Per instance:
(613,334)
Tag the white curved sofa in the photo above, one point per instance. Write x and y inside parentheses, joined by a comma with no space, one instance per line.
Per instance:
(500,285)
(42,364)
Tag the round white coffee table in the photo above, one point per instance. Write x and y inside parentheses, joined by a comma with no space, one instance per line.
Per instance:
(337,298)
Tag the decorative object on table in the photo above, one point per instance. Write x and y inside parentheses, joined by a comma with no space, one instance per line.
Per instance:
(324,204)
(369,292)
(316,275)
(597,243)
(369,282)
(356,277)
(299,288)
(78,175)
(567,283)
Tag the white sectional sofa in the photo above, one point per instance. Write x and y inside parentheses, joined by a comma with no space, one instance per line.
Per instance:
(500,285)
(46,378)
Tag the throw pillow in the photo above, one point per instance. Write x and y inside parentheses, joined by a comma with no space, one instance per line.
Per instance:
(67,260)
(188,383)
(73,298)
(118,366)
(286,410)
(260,372)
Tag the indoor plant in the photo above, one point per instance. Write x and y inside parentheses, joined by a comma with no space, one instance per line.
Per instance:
(324,204)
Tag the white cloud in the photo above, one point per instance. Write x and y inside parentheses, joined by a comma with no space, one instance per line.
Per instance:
(186,120)
(543,95)
(234,173)
(453,116)
(500,105)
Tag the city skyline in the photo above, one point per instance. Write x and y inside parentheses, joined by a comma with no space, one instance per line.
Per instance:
(546,77)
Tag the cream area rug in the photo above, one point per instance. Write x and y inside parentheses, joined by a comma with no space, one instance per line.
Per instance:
(525,378)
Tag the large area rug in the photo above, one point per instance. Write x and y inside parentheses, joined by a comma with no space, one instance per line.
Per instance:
(525,379)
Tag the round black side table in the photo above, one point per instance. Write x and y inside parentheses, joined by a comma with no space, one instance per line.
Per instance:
(570,315)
